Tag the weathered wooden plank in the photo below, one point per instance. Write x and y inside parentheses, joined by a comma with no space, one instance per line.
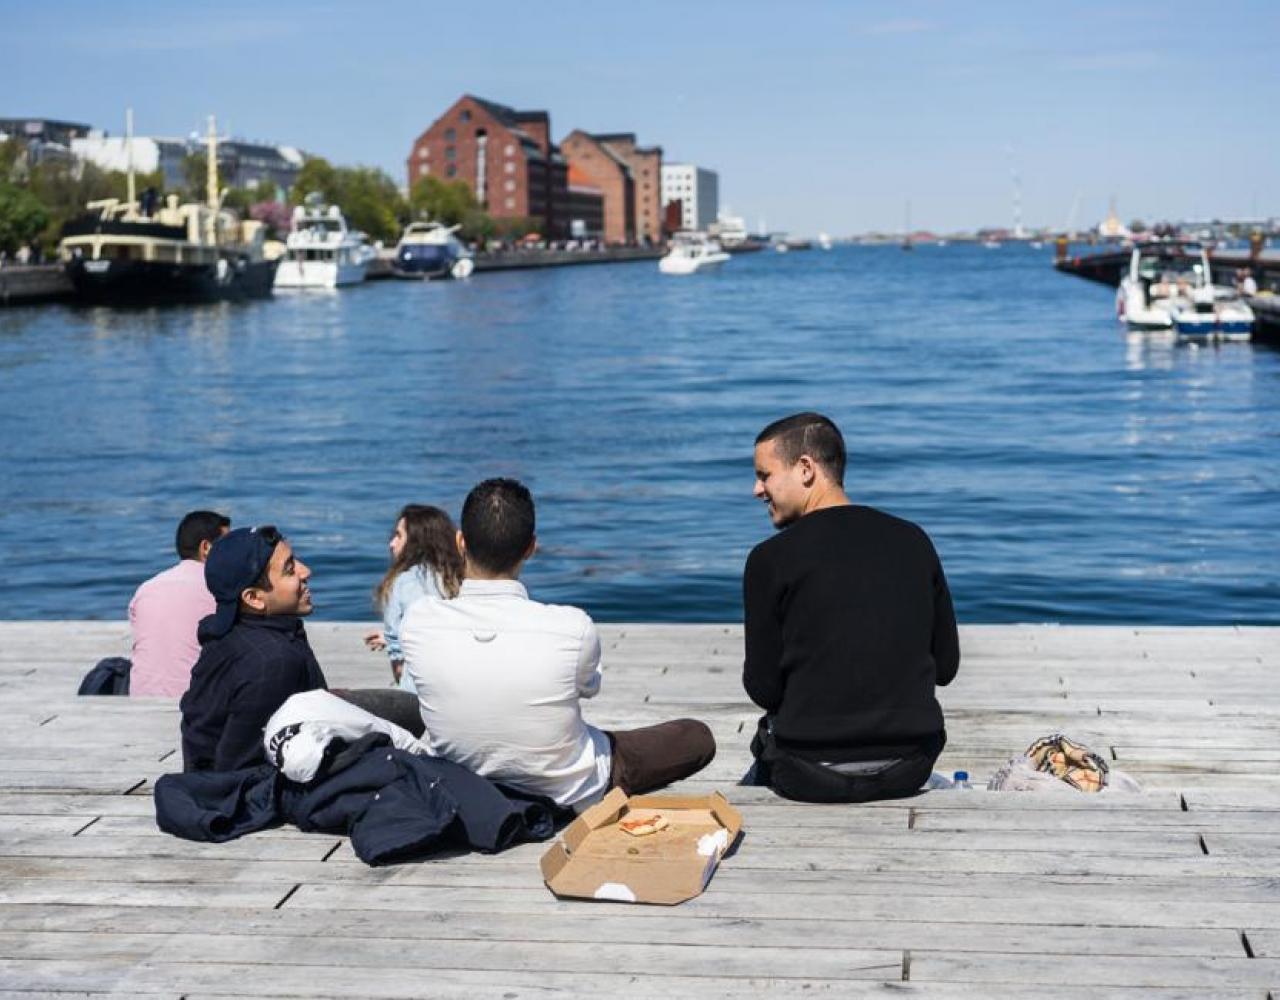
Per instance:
(337,980)
(516,955)
(1133,972)
(623,925)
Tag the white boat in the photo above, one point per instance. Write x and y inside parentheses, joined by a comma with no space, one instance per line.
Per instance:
(321,252)
(690,253)
(824,241)
(1169,288)
(729,230)
(431,250)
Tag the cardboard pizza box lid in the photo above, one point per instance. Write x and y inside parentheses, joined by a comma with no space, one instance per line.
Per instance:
(596,859)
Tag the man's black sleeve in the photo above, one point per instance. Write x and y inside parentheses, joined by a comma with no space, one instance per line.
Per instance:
(251,706)
(946,639)
(762,669)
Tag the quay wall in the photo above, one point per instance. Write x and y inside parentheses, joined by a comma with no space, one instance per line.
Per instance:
(35,283)
(508,260)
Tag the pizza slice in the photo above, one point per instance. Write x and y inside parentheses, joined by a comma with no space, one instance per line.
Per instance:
(643,826)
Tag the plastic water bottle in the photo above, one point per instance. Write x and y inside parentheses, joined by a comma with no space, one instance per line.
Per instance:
(960,780)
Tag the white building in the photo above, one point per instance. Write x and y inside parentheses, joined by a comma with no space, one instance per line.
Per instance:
(697,190)
(240,163)
(149,155)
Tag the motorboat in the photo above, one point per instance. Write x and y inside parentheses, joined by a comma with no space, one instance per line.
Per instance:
(1169,288)
(431,250)
(690,253)
(146,250)
(321,252)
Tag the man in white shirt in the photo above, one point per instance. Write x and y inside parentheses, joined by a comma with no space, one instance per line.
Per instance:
(499,676)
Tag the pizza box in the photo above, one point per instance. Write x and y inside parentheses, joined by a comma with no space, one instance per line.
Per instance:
(596,859)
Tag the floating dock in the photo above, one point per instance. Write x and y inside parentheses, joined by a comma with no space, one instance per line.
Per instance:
(952,894)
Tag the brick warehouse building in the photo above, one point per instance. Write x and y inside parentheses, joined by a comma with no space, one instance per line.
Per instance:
(505,156)
(645,164)
(586,206)
(609,173)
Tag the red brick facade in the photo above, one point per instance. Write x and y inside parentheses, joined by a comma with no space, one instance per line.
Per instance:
(645,164)
(504,155)
(611,176)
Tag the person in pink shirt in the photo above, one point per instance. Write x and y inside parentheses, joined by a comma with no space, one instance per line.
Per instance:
(166,609)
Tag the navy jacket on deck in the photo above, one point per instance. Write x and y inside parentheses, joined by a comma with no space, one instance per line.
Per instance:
(394,805)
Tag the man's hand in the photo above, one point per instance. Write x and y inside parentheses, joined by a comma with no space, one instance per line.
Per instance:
(375,641)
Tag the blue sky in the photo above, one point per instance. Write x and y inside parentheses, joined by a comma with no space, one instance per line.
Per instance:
(816,115)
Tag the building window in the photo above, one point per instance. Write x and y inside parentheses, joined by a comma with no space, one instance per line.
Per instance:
(451,170)
(450,153)
(465,116)
(423,153)
(511,168)
(511,185)
(511,203)
(450,135)
(424,169)
(510,150)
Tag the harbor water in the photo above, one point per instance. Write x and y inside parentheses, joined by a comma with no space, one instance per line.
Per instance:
(1065,471)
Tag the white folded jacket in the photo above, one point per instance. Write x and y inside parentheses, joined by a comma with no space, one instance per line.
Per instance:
(296,736)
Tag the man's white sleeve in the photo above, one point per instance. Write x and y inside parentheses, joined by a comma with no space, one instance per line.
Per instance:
(589,662)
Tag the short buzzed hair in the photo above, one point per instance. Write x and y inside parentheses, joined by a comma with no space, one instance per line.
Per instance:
(498,524)
(809,434)
(199,526)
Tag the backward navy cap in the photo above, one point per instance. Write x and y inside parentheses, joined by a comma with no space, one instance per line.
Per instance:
(235,562)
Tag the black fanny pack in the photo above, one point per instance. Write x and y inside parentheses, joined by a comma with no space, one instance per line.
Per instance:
(806,780)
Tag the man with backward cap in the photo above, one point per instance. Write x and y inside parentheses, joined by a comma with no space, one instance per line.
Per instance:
(254,652)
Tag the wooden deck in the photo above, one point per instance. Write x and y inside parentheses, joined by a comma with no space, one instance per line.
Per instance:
(1174,893)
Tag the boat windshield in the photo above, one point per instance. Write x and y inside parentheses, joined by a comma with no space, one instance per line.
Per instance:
(1171,270)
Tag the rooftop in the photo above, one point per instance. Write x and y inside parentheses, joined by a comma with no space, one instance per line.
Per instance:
(1171,893)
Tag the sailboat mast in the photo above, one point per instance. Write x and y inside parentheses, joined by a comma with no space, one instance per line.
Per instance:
(211,180)
(131,188)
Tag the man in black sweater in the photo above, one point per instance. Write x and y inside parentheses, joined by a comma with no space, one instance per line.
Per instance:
(849,626)
(254,652)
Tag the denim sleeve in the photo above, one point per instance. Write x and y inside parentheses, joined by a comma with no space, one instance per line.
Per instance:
(392,615)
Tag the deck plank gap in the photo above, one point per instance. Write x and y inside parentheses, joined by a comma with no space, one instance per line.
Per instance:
(86,826)
(906,966)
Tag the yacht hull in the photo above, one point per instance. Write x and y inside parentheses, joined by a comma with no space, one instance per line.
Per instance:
(319,273)
(141,282)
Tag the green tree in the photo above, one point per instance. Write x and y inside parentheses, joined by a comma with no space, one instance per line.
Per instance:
(195,180)
(317,176)
(23,216)
(367,197)
(443,201)
(371,202)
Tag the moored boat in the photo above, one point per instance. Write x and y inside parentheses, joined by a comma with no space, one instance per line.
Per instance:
(137,251)
(1169,288)
(321,251)
(431,250)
